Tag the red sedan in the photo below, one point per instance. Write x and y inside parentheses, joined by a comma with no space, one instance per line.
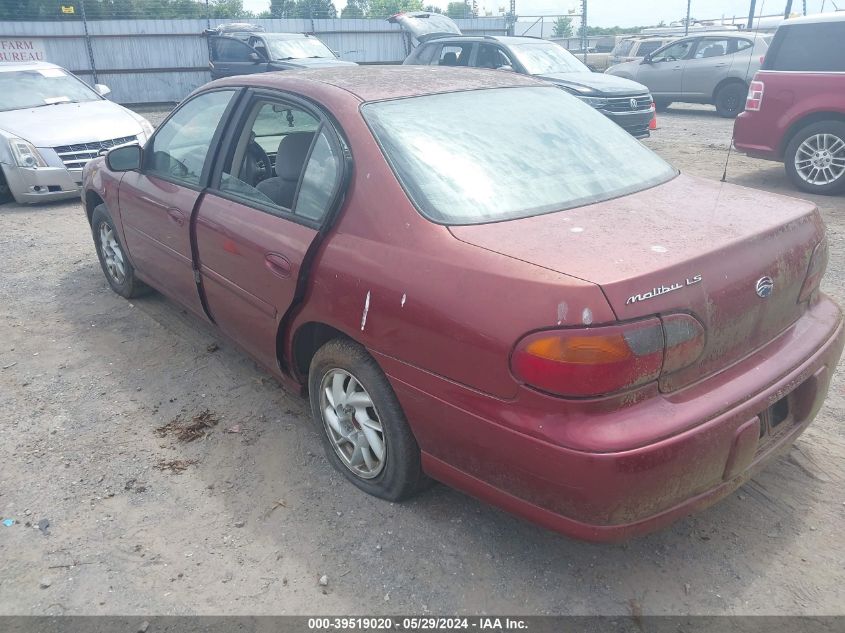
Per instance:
(479,279)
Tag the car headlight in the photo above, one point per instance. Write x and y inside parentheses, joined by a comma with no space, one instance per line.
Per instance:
(25,153)
(596,102)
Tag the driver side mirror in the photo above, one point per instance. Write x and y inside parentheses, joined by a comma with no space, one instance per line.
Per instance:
(647,59)
(505,67)
(126,158)
(102,89)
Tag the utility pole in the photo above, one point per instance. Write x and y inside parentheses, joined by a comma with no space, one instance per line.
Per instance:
(686,24)
(584,39)
(750,24)
(788,9)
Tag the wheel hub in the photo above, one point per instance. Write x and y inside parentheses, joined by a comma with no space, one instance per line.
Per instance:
(352,423)
(820,159)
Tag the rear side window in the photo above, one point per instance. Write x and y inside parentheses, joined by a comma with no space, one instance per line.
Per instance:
(647,48)
(623,48)
(808,48)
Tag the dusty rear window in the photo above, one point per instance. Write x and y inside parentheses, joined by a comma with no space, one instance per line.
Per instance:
(487,155)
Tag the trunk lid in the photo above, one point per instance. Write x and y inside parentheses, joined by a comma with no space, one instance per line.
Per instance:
(422,25)
(689,245)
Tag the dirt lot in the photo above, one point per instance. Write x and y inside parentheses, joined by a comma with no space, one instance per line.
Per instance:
(247,522)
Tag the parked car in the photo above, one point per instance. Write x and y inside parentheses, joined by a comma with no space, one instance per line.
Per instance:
(439,43)
(508,298)
(51,124)
(713,68)
(795,110)
(244,49)
(636,47)
(594,59)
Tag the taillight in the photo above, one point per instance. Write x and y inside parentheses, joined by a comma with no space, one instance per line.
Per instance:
(818,264)
(755,96)
(595,361)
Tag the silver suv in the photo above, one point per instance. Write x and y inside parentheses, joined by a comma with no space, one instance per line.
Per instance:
(632,49)
(713,68)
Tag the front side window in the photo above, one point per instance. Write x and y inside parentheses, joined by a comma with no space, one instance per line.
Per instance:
(283,162)
(180,147)
(674,52)
(523,152)
(808,48)
(228,49)
(41,87)
(542,58)
(490,56)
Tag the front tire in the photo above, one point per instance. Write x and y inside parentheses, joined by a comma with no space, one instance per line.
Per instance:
(5,189)
(815,158)
(364,431)
(113,260)
(730,99)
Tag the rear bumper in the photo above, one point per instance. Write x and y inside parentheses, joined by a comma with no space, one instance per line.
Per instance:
(617,494)
(755,137)
(33,186)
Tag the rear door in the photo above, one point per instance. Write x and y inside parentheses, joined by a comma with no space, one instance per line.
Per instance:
(715,59)
(156,202)
(277,185)
(664,74)
(230,56)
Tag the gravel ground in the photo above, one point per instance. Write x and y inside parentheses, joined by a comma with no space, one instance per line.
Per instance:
(258,516)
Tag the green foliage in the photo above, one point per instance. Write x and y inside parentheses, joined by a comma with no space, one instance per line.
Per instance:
(459,10)
(355,9)
(386,8)
(563,27)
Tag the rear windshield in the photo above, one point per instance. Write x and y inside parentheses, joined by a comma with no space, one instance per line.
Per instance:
(520,152)
(808,47)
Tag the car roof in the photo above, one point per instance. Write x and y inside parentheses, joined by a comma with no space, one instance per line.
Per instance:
(13,66)
(377,83)
(504,39)
(838,16)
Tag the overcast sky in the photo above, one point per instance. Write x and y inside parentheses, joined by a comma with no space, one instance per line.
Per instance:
(626,12)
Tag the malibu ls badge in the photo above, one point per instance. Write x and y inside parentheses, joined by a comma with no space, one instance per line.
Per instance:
(662,290)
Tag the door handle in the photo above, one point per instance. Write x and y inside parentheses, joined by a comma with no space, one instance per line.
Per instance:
(176,215)
(278,264)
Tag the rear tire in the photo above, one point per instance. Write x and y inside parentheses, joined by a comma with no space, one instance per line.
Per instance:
(730,99)
(815,158)
(112,255)
(364,431)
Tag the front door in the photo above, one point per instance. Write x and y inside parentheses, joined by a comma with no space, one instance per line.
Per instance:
(256,225)
(664,74)
(156,202)
(231,56)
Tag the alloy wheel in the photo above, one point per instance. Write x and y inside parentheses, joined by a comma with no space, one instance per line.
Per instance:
(112,254)
(820,159)
(352,423)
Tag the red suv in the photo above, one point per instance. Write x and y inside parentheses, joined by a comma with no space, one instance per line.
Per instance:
(795,110)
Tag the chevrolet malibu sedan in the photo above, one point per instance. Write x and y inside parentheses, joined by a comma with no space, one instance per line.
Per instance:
(526,304)
(51,124)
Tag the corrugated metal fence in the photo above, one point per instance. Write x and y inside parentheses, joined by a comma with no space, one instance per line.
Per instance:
(157,61)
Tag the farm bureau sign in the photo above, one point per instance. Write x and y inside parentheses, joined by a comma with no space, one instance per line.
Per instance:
(22,49)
